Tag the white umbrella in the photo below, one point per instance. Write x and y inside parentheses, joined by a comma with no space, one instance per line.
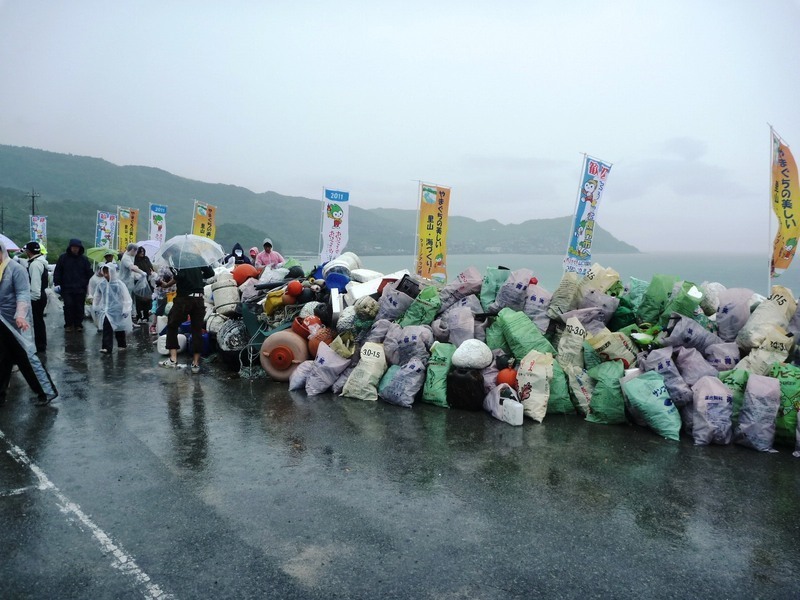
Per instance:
(150,247)
(187,251)
(8,243)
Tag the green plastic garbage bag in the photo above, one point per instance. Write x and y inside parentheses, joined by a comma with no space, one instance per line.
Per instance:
(636,291)
(521,334)
(624,316)
(423,309)
(590,356)
(685,302)
(559,402)
(655,298)
(495,338)
(387,378)
(736,380)
(493,280)
(435,389)
(649,398)
(786,421)
(608,405)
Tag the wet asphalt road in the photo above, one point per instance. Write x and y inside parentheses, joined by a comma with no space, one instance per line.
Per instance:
(140,482)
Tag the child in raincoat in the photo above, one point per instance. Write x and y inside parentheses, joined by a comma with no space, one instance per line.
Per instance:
(111,309)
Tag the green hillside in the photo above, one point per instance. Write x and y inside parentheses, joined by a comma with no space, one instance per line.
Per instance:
(73,188)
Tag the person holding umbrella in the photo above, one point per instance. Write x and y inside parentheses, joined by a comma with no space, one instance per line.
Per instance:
(189,303)
(16,337)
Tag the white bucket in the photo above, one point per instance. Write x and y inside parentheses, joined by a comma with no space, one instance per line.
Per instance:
(161,323)
(343,264)
(161,344)
(226,296)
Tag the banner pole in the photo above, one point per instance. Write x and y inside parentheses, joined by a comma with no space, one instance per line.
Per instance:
(321,225)
(416,225)
(770,249)
(194,215)
(571,218)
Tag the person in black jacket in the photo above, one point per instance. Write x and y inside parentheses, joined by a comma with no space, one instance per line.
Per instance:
(72,274)
(238,255)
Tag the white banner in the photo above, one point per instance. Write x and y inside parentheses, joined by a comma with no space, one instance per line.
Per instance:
(335,224)
(158,222)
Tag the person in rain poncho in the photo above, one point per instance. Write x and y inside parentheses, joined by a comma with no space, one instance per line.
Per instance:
(237,255)
(111,308)
(128,271)
(16,335)
(269,258)
(71,277)
(253,255)
(143,292)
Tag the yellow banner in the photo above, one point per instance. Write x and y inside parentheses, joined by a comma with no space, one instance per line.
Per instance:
(204,220)
(431,245)
(786,205)
(127,225)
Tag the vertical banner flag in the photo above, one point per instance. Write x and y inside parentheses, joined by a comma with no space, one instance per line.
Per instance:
(785,192)
(434,201)
(127,224)
(335,224)
(593,182)
(158,222)
(203,219)
(39,229)
(106,230)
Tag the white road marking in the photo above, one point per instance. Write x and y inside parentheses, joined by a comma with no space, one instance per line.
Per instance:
(120,560)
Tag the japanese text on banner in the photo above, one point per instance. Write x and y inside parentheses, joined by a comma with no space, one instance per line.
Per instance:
(158,222)
(431,260)
(106,229)
(335,224)
(785,190)
(203,221)
(593,183)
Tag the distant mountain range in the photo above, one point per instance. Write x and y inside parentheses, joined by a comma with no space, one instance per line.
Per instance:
(72,189)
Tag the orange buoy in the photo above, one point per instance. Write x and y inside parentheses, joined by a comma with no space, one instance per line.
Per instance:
(281,352)
(507,375)
(294,288)
(242,273)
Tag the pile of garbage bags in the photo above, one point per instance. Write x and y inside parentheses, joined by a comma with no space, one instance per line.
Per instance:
(715,364)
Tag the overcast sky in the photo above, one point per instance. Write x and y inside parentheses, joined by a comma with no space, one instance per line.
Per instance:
(497,100)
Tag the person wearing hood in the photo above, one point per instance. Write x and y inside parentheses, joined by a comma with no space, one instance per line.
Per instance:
(144,296)
(129,273)
(40,278)
(269,258)
(111,308)
(71,278)
(17,346)
(253,255)
(237,254)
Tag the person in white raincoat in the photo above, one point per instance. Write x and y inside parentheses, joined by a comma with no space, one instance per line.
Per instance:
(17,346)
(111,309)
(129,273)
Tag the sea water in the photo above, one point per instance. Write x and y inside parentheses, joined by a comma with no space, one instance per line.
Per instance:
(732,270)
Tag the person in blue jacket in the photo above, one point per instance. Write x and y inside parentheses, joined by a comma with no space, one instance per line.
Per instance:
(72,274)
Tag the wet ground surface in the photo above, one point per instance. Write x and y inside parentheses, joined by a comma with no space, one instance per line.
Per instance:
(143,482)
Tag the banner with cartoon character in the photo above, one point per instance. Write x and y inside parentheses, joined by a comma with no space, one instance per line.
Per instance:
(127,225)
(593,182)
(106,231)
(785,204)
(204,220)
(39,229)
(158,222)
(434,201)
(335,224)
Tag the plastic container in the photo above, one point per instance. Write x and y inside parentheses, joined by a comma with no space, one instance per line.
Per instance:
(161,344)
(342,264)
(337,281)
